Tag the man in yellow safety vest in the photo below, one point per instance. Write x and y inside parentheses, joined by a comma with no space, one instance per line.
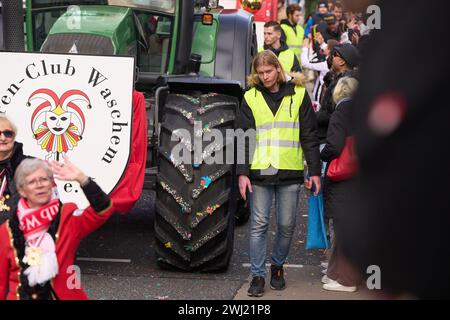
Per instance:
(272,42)
(283,123)
(293,34)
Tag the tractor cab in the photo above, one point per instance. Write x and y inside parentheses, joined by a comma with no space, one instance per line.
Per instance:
(116,27)
(161,34)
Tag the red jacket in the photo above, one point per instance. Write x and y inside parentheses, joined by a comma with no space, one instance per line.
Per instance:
(72,229)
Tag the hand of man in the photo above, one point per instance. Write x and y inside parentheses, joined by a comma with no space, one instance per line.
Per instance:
(244,183)
(308,184)
(315,180)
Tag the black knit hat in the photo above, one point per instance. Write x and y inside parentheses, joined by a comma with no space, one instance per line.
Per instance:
(322,4)
(330,18)
(349,53)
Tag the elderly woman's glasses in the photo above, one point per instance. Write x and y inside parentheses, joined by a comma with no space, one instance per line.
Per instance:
(7,133)
(43,181)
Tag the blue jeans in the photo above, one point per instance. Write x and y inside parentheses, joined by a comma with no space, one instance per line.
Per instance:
(286,207)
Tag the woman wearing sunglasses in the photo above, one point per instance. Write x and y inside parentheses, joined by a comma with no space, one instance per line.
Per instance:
(11,155)
(38,243)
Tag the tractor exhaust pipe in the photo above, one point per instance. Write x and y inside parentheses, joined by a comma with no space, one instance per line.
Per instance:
(184,39)
(13,31)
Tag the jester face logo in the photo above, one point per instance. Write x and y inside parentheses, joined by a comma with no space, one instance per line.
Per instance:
(58,122)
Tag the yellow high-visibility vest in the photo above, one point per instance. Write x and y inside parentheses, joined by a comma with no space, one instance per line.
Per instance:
(294,39)
(286,59)
(277,137)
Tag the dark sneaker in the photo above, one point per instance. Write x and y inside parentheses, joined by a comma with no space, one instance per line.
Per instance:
(256,287)
(277,278)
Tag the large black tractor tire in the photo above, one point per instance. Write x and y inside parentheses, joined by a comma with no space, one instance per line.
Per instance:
(194,222)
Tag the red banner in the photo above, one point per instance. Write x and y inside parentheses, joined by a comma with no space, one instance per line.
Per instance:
(129,189)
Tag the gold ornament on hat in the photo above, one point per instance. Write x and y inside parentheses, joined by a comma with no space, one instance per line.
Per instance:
(251,5)
(3,196)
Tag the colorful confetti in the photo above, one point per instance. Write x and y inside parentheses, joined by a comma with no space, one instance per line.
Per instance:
(209,210)
(190,98)
(185,140)
(179,199)
(180,166)
(210,106)
(207,237)
(210,149)
(185,113)
(181,229)
(207,180)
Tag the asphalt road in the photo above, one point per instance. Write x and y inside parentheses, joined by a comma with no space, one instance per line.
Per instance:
(129,270)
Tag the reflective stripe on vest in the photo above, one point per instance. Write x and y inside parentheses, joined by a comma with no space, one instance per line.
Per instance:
(287,59)
(294,39)
(277,137)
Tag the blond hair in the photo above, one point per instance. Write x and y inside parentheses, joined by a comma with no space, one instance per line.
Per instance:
(268,58)
(4,119)
(345,88)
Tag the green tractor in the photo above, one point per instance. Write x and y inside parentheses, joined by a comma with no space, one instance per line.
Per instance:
(192,61)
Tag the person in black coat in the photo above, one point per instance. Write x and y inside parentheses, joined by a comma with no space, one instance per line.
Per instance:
(344,61)
(11,155)
(399,218)
(335,193)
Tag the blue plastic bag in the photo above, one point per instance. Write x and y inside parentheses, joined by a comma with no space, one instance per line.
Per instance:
(317,233)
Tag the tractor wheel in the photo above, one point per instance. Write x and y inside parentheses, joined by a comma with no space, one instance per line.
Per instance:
(196,185)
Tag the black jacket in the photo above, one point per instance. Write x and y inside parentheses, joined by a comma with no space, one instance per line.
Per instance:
(399,216)
(327,34)
(308,139)
(337,193)
(340,127)
(327,103)
(296,67)
(10,165)
(317,18)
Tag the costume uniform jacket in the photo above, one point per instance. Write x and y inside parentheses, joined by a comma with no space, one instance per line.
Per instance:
(11,165)
(73,227)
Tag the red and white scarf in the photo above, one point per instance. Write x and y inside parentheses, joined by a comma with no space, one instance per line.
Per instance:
(40,248)
(35,222)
